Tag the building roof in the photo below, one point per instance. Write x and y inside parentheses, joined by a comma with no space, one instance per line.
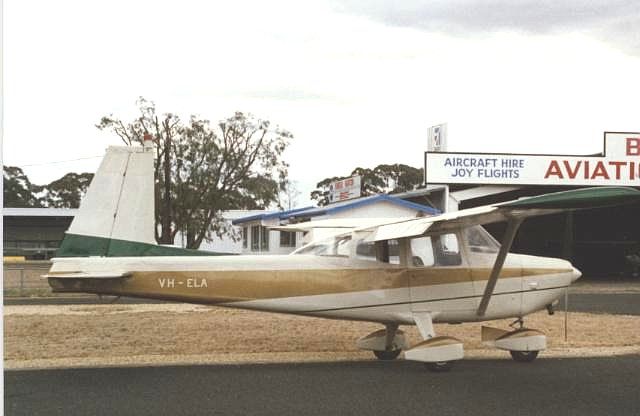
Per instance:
(428,190)
(39,212)
(337,207)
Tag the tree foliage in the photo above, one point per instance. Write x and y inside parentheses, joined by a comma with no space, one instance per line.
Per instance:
(202,169)
(390,179)
(65,192)
(18,191)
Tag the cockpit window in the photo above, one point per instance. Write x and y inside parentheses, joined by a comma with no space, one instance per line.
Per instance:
(422,252)
(366,250)
(387,251)
(435,250)
(480,241)
(329,247)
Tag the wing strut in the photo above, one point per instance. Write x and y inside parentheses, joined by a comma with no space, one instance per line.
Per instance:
(507,241)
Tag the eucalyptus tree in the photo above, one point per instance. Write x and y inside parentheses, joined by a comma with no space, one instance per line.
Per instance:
(202,169)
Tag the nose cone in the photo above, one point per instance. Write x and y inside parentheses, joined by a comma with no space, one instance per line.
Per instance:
(576,275)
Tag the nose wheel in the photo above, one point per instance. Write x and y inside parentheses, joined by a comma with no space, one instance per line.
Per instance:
(523,344)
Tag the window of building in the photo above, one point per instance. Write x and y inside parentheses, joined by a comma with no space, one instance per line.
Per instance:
(245,237)
(287,239)
(259,238)
(255,237)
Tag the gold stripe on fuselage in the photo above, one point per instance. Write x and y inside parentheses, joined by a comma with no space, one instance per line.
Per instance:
(230,286)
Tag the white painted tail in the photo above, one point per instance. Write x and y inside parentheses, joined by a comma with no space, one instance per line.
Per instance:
(116,217)
(120,200)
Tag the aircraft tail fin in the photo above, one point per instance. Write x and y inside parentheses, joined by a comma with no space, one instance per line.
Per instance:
(116,216)
(118,206)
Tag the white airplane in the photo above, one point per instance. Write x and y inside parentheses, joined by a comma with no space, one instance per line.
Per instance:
(419,271)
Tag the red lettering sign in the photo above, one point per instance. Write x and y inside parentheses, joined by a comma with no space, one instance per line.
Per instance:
(633,146)
(554,169)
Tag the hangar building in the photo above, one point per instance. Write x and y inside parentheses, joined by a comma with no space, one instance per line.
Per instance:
(603,243)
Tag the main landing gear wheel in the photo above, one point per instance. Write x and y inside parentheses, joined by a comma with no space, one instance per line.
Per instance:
(524,356)
(387,355)
(440,366)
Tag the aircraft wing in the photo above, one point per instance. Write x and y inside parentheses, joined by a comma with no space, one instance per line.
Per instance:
(507,211)
(513,213)
(338,223)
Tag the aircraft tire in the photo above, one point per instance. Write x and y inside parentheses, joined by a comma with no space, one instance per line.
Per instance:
(387,355)
(440,366)
(524,356)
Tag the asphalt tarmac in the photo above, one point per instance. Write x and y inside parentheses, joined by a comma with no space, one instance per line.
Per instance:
(610,303)
(589,386)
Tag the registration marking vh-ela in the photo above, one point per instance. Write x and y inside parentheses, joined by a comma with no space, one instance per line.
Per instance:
(407,271)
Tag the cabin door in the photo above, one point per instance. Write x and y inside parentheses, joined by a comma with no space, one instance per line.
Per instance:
(439,277)
(482,251)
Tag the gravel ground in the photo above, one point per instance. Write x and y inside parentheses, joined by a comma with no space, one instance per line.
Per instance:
(149,334)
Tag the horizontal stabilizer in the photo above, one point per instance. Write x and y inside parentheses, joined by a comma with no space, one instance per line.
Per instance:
(88,275)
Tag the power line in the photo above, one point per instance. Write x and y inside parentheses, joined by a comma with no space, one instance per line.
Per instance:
(60,161)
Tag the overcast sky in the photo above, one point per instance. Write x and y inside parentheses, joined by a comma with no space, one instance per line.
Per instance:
(357,82)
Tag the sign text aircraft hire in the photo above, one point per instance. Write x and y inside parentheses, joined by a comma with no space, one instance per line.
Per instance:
(618,166)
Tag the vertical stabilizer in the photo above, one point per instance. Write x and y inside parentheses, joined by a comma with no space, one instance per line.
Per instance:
(117,214)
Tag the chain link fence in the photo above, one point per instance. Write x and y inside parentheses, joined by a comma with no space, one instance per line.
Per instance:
(25,278)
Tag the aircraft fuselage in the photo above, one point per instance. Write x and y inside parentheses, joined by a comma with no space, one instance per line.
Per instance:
(336,287)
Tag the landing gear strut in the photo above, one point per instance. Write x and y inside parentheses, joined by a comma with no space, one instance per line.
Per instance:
(390,352)
(517,324)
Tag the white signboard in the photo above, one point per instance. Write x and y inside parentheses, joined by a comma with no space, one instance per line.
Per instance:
(437,138)
(620,165)
(344,189)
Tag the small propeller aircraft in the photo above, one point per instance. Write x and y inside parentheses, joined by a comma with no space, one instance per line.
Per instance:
(444,268)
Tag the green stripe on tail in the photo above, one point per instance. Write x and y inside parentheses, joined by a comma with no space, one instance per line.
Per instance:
(75,245)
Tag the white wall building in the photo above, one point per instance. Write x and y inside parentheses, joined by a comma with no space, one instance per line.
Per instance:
(229,243)
(257,238)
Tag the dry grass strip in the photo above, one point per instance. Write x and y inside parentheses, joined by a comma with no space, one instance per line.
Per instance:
(104,335)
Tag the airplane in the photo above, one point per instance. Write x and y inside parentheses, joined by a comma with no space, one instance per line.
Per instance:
(437,269)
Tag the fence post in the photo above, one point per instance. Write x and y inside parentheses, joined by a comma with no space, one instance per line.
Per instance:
(22,281)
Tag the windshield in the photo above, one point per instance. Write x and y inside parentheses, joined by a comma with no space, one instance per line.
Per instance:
(480,241)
